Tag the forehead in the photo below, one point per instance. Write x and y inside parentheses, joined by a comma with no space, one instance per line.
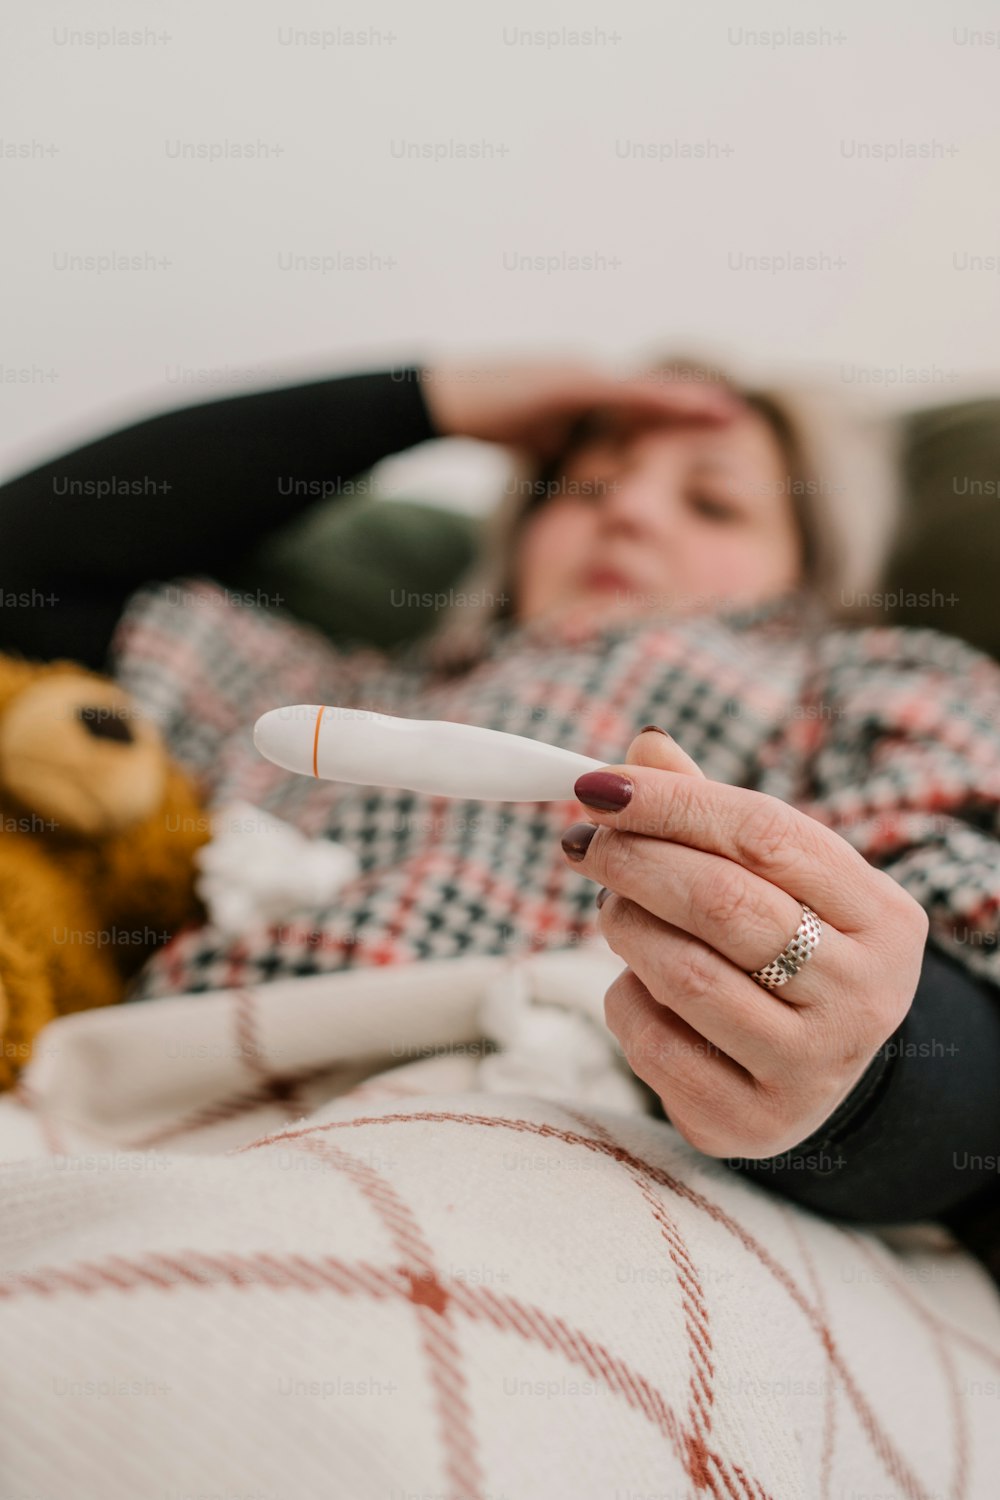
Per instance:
(747,443)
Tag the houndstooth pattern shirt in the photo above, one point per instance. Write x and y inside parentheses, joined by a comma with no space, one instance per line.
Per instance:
(887,735)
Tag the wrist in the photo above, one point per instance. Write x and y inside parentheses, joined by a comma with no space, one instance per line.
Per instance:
(437,388)
(857,1105)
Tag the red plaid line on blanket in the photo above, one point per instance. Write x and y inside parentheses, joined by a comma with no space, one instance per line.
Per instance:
(418,1287)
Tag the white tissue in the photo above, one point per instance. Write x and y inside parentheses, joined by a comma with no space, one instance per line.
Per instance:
(258,869)
(544,1011)
(557,1046)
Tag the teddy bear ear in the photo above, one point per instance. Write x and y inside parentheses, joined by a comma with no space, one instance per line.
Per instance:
(17,673)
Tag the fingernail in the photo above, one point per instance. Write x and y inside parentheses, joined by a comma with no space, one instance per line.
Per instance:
(605,790)
(657,728)
(602,896)
(576,839)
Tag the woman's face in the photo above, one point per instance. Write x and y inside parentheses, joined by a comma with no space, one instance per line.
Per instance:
(673,520)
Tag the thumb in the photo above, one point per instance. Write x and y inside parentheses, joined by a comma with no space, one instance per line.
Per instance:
(653,746)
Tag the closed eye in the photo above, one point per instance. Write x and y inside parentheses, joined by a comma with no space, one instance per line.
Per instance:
(714,509)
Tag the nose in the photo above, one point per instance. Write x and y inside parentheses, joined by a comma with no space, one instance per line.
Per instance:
(637,501)
(105,723)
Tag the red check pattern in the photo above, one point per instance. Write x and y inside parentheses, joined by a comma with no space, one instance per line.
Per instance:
(889,736)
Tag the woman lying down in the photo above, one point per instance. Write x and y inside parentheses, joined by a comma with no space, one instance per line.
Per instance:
(794,844)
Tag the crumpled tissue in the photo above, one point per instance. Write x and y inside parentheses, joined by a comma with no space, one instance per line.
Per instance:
(258,869)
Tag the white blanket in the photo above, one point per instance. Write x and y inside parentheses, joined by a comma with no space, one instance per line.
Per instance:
(295,1242)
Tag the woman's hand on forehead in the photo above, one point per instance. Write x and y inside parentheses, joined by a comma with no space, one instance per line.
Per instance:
(534,406)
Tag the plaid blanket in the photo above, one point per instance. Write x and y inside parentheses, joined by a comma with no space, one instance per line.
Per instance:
(887,735)
(247,1254)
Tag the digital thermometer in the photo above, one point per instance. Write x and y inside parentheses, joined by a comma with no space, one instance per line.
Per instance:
(433,756)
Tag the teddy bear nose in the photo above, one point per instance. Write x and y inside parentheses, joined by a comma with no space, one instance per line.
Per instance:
(105,724)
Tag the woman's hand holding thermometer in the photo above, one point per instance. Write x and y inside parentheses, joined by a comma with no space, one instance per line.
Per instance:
(704,885)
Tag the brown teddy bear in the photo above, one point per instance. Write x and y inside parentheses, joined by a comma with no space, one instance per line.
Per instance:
(99,830)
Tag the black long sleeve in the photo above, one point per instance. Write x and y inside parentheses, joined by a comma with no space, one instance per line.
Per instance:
(919,1135)
(185,491)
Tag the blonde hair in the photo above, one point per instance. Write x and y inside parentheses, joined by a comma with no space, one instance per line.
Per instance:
(842,466)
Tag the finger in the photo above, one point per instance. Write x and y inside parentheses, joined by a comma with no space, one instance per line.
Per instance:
(718,1002)
(650,395)
(746,920)
(764,835)
(707,1095)
(653,746)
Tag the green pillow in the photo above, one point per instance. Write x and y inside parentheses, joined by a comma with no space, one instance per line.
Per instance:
(362,569)
(946,564)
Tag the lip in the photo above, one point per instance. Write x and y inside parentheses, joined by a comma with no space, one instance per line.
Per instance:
(608,580)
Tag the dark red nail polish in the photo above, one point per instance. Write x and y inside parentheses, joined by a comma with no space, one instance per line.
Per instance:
(657,728)
(605,790)
(602,896)
(576,839)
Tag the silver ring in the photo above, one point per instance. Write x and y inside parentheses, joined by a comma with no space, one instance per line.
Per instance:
(796,952)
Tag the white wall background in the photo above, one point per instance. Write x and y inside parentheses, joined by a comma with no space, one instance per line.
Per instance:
(89,167)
